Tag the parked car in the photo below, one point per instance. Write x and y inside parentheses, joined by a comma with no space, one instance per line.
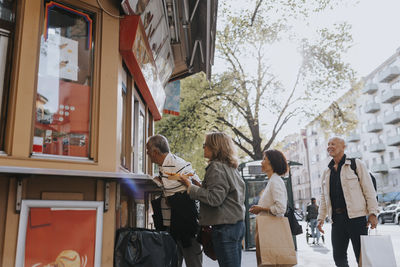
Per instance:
(390,214)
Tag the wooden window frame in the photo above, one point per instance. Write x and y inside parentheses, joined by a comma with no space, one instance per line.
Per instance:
(5,99)
(95,86)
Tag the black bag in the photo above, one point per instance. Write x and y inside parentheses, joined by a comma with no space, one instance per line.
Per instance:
(295,227)
(353,166)
(144,248)
(204,238)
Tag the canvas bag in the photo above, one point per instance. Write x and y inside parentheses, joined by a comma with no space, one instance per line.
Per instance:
(274,242)
(377,251)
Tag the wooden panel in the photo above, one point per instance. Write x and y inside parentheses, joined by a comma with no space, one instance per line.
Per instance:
(4,185)
(109,225)
(11,226)
(61,196)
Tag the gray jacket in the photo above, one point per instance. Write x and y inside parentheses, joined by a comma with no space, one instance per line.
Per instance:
(221,195)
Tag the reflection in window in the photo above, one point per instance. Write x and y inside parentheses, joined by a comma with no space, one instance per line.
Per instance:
(123,124)
(141,143)
(64,82)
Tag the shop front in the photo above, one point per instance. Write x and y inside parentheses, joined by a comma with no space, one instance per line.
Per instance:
(82,83)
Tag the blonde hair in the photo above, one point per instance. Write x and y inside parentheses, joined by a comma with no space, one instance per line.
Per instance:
(222,148)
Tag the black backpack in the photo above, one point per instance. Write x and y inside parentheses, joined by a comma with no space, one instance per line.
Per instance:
(353,166)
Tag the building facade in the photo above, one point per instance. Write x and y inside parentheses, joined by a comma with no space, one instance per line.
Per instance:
(377,138)
(295,150)
(81,84)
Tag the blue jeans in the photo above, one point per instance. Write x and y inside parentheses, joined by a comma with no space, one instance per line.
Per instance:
(227,241)
(314,230)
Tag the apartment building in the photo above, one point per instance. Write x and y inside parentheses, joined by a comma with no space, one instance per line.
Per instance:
(295,150)
(377,138)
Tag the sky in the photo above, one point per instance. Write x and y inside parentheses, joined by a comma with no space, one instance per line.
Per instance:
(376,36)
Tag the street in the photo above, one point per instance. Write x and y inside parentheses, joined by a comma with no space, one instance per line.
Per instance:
(316,256)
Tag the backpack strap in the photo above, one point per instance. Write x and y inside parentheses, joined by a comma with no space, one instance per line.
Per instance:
(353,166)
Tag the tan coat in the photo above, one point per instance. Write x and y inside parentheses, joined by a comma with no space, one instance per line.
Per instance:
(359,192)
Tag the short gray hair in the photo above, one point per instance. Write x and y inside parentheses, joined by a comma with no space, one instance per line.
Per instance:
(338,138)
(160,143)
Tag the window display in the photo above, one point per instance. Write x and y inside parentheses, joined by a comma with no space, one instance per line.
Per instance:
(64,87)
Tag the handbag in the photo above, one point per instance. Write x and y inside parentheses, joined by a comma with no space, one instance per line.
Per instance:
(205,239)
(270,251)
(295,227)
(377,251)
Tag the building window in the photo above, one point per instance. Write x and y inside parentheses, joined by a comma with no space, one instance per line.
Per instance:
(7,23)
(382,159)
(126,121)
(65,80)
(391,155)
(397,107)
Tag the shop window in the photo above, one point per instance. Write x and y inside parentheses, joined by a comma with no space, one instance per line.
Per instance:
(7,23)
(65,82)
(123,133)
(141,141)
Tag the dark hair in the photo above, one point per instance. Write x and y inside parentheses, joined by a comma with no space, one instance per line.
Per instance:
(277,160)
(313,198)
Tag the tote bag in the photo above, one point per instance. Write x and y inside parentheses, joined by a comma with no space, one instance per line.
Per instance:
(377,251)
(274,242)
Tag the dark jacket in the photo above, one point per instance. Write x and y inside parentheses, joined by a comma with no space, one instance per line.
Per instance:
(184,217)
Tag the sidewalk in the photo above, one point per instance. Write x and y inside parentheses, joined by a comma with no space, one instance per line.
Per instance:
(317,256)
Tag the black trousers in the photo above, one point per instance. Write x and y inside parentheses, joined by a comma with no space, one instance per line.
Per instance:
(344,230)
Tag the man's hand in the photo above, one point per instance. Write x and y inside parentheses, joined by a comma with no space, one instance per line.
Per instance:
(185,180)
(372,221)
(320,224)
(195,182)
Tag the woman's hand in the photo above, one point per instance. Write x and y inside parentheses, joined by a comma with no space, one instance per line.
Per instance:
(257,209)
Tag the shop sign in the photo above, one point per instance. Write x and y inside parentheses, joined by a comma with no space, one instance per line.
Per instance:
(137,55)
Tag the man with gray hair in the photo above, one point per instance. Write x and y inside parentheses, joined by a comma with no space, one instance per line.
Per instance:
(174,211)
(349,198)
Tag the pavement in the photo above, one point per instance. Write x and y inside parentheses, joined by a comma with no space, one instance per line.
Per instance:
(309,255)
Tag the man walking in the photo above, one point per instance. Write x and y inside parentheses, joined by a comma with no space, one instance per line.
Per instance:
(175,211)
(312,215)
(348,199)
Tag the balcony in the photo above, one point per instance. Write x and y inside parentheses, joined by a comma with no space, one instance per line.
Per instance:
(393,140)
(372,107)
(395,164)
(374,127)
(382,168)
(391,95)
(353,137)
(356,155)
(392,118)
(378,147)
(389,74)
(370,88)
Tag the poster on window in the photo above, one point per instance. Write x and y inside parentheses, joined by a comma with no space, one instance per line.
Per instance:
(59,55)
(60,233)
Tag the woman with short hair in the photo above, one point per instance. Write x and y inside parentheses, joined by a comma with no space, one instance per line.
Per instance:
(274,198)
(221,197)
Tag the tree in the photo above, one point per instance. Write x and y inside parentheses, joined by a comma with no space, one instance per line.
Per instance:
(249,95)
(249,90)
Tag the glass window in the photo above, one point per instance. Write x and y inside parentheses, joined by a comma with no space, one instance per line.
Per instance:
(397,107)
(7,21)
(124,111)
(141,142)
(65,79)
